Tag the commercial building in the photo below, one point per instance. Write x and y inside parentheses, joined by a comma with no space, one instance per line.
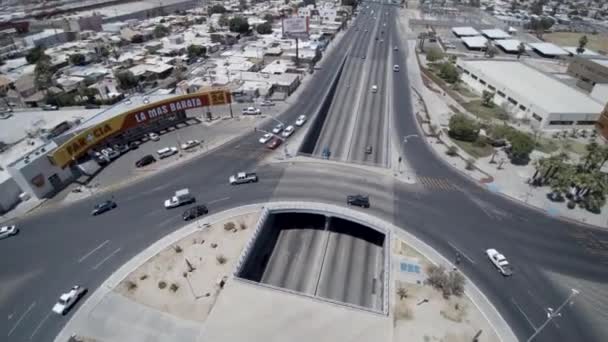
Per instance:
(475,43)
(589,71)
(529,93)
(548,50)
(465,31)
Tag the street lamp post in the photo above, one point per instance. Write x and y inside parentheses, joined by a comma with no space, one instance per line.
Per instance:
(551,314)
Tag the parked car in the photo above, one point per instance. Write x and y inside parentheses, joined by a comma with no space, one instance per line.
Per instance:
(103,207)
(133,145)
(374,88)
(274,143)
(50,107)
(110,153)
(358,200)
(122,149)
(265,138)
(166,152)
(368,149)
(301,120)
(91,106)
(500,262)
(190,144)
(267,103)
(251,111)
(288,131)
(326,153)
(243,177)
(145,160)
(154,137)
(278,129)
(67,300)
(194,212)
(7,231)
(396,68)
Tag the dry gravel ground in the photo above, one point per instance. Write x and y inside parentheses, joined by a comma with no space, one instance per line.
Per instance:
(167,283)
(424,315)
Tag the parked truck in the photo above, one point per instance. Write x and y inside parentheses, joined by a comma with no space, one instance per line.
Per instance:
(181,197)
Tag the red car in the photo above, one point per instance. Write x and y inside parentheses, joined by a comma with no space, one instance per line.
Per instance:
(274,143)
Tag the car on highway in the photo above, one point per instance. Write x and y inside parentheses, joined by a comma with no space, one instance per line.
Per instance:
(381,40)
(368,149)
(190,144)
(396,48)
(288,131)
(374,88)
(251,111)
(194,212)
(326,153)
(265,138)
(301,120)
(103,207)
(180,197)
(278,129)
(500,262)
(154,137)
(50,107)
(166,152)
(274,143)
(7,231)
(396,67)
(363,57)
(242,178)
(358,200)
(67,300)
(145,160)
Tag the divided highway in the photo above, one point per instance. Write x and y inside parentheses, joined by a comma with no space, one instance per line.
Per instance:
(62,246)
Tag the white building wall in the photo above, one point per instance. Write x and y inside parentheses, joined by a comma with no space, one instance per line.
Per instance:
(9,194)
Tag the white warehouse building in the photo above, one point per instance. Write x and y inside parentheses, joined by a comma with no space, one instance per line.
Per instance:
(530,93)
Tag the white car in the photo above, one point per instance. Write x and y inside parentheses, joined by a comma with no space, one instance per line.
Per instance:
(154,136)
(166,152)
(251,111)
(67,300)
(265,138)
(396,67)
(7,231)
(374,88)
(277,129)
(500,262)
(288,131)
(190,144)
(243,177)
(301,120)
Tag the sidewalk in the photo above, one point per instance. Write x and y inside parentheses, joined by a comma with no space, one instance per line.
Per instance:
(509,180)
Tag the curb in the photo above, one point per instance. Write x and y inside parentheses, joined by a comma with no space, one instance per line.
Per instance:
(503,331)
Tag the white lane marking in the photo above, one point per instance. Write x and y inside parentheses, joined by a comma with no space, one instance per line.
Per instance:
(461,253)
(524,314)
(21,318)
(218,200)
(93,251)
(106,258)
(40,325)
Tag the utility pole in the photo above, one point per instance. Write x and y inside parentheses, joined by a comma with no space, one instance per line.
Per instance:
(551,314)
(297,54)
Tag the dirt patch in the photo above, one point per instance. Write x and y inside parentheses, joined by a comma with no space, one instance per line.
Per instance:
(597,42)
(186,277)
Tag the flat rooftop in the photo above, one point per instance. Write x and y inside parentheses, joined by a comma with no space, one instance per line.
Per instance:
(465,31)
(511,45)
(496,34)
(477,42)
(586,52)
(543,90)
(549,49)
(599,61)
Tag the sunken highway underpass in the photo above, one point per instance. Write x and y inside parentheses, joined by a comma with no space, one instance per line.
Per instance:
(322,256)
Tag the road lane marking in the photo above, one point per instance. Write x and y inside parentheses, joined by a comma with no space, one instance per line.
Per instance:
(40,325)
(461,253)
(106,258)
(524,314)
(93,251)
(21,318)
(218,200)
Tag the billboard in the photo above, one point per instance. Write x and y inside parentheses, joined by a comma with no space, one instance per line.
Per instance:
(82,142)
(295,27)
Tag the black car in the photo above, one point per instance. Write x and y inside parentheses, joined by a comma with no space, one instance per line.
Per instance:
(358,200)
(146,160)
(103,207)
(91,106)
(194,212)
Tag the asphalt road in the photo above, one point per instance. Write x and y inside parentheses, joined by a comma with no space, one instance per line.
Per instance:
(62,246)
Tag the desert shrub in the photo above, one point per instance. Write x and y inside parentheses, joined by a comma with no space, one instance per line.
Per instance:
(162,284)
(131,285)
(221,259)
(452,151)
(143,277)
(178,249)
(174,287)
(229,226)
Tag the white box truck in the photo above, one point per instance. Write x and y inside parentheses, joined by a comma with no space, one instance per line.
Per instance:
(181,197)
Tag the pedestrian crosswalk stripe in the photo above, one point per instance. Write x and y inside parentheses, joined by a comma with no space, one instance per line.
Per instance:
(437,183)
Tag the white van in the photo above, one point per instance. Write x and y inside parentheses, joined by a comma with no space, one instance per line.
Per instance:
(374,88)
(166,152)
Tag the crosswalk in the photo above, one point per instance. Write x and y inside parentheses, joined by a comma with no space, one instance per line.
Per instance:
(442,184)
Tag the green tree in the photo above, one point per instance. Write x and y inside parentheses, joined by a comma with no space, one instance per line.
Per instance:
(462,128)
(224,20)
(487,98)
(126,79)
(43,73)
(582,42)
(264,28)
(161,31)
(449,73)
(521,147)
(434,54)
(34,55)
(77,59)
(217,9)
(239,24)
(196,51)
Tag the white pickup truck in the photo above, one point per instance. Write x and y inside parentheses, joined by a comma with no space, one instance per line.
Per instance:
(181,197)
(67,300)
(500,262)
(243,177)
